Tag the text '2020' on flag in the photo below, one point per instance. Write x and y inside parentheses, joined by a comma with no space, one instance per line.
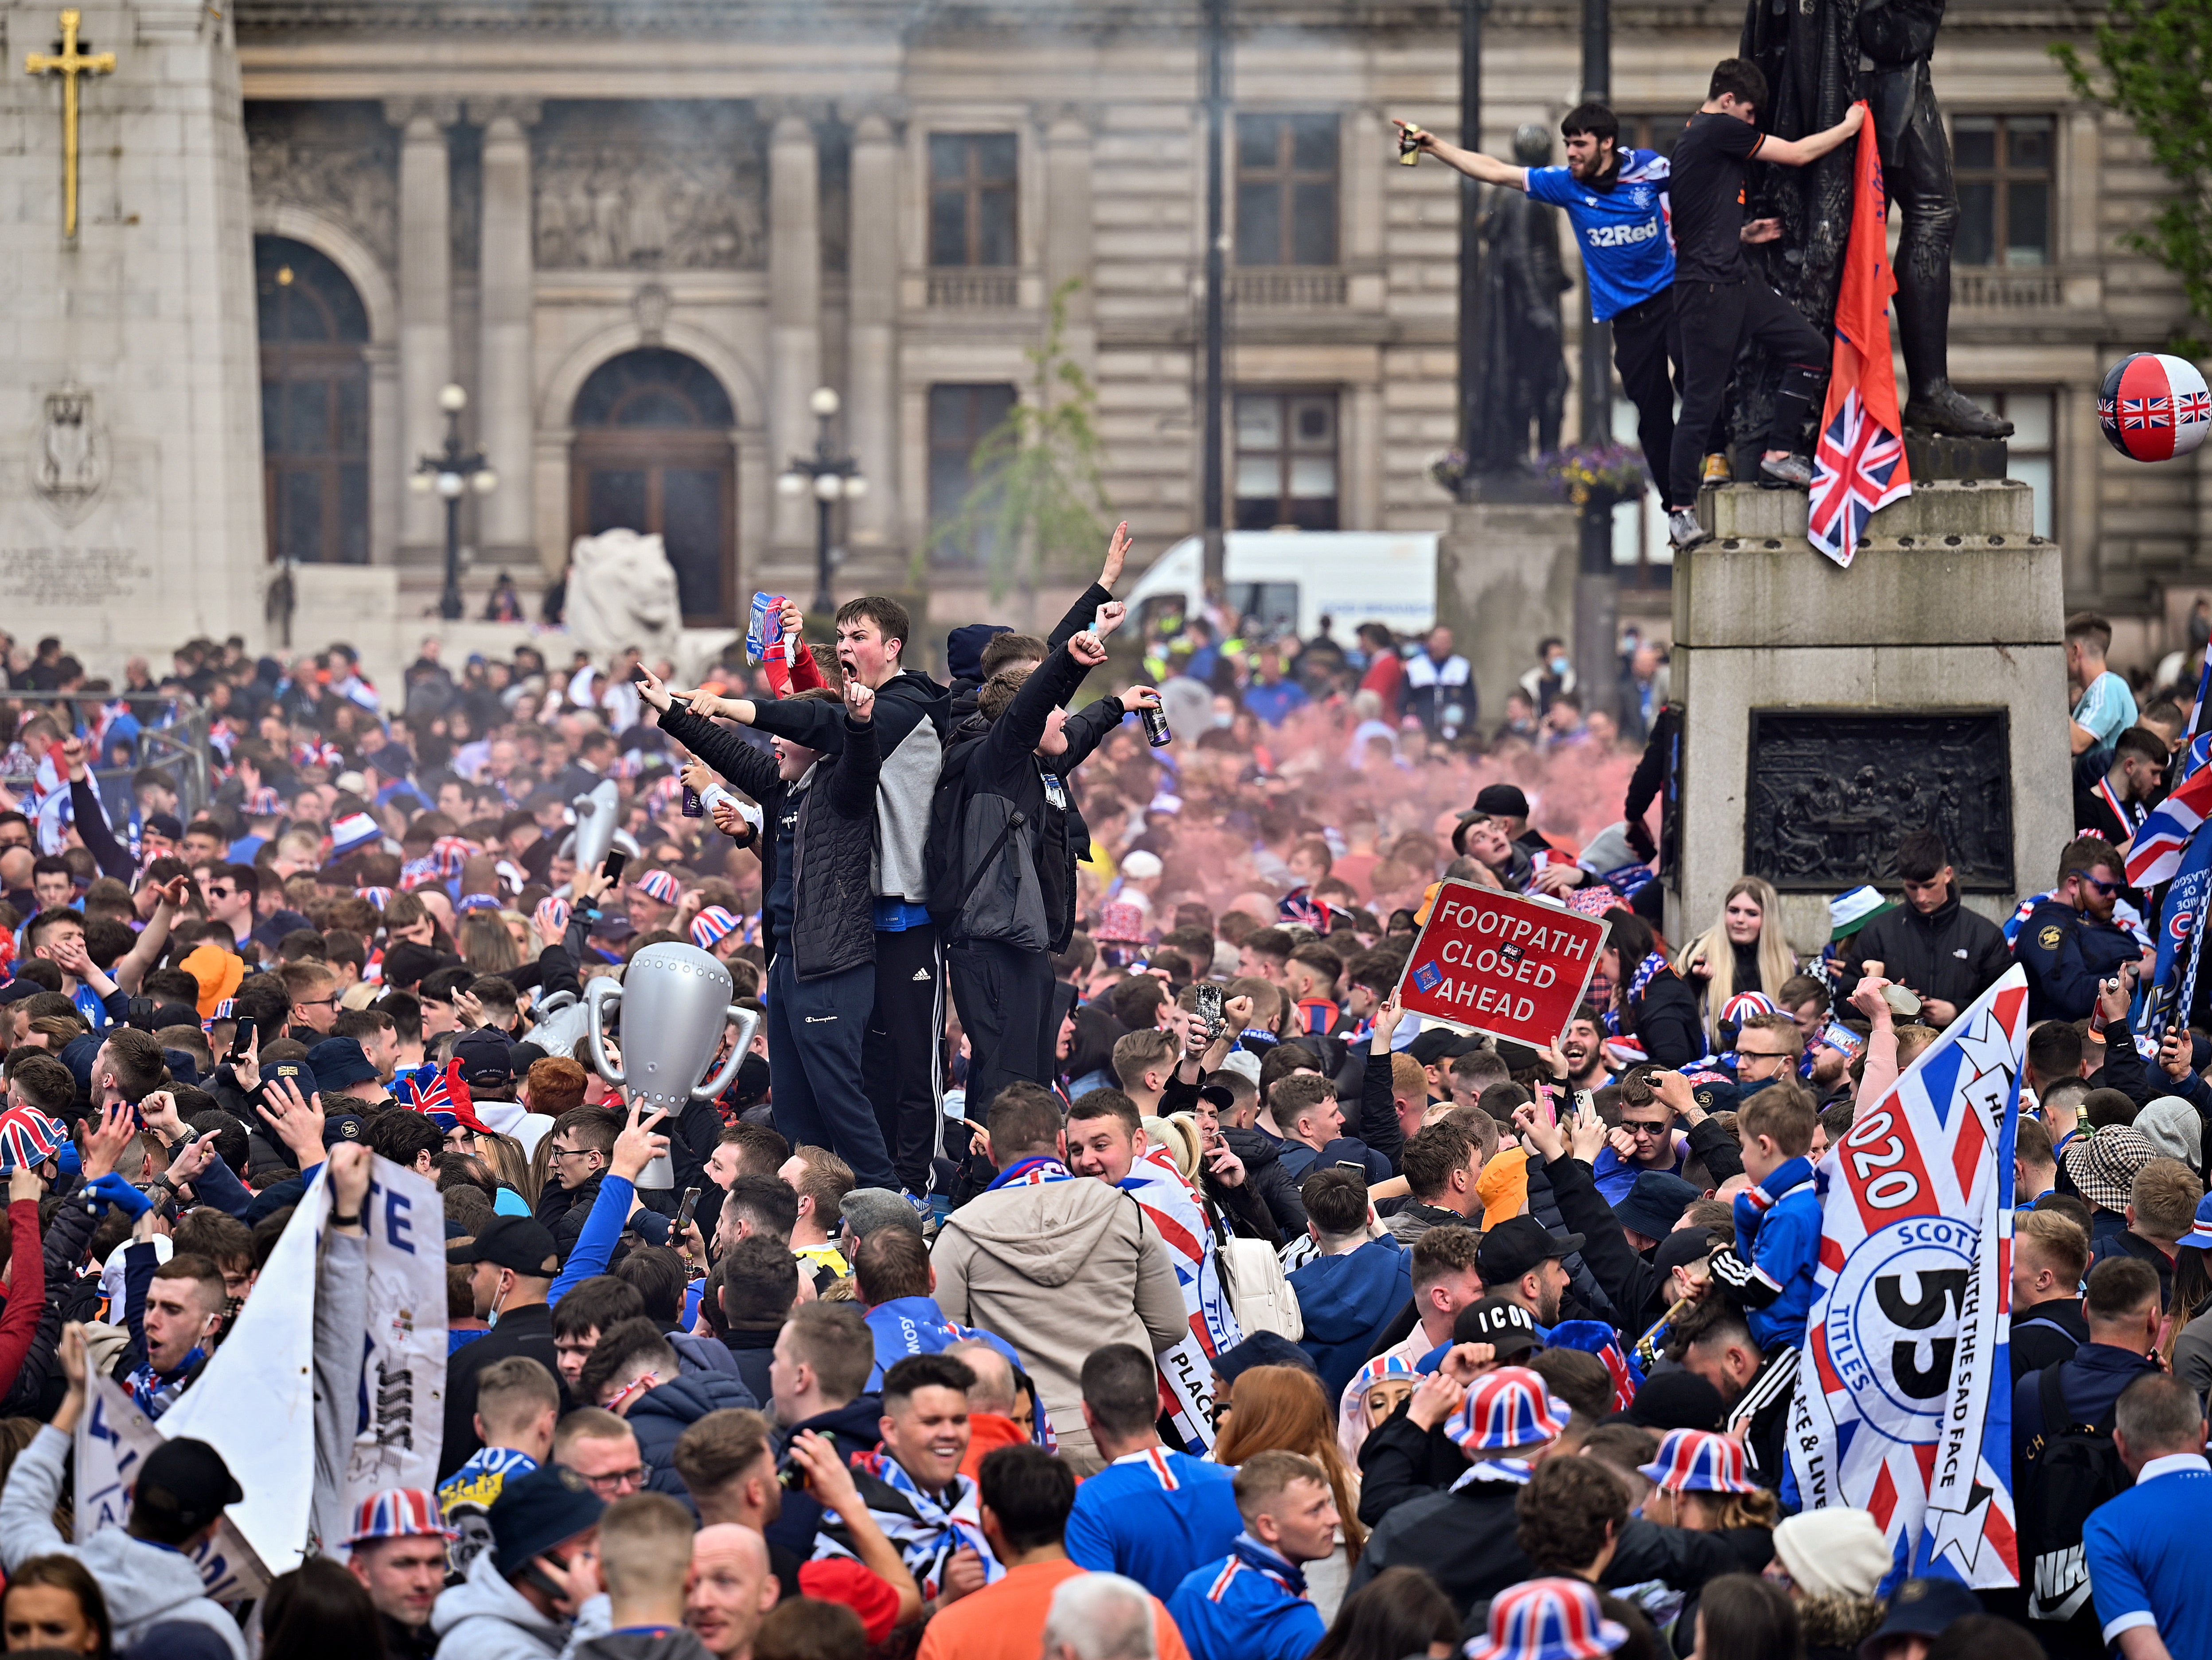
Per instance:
(1858,462)
(1904,1404)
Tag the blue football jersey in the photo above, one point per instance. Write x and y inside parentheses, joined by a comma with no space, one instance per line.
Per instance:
(1625,236)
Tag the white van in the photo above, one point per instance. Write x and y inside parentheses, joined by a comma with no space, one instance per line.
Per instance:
(1297,577)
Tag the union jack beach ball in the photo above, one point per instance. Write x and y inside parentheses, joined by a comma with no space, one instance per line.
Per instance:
(2154,408)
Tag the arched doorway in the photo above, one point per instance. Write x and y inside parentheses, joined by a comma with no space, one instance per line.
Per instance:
(314,404)
(653,454)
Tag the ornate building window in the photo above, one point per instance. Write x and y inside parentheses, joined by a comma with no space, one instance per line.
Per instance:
(2031,455)
(2004,165)
(959,417)
(653,455)
(1286,189)
(971,198)
(314,404)
(1649,132)
(1286,462)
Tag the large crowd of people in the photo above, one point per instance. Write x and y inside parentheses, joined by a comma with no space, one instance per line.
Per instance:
(1091,1256)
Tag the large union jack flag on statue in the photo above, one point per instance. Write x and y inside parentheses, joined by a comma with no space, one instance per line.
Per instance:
(1859,464)
(1903,1403)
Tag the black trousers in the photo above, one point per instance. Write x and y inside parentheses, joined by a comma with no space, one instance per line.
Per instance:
(1650,359)
(1005,998)
(815,1031)
(902,1059)
(1714,318)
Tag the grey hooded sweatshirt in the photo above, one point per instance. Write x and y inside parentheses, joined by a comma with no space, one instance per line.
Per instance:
(1058,1270)
(484,1618)
(145,1585)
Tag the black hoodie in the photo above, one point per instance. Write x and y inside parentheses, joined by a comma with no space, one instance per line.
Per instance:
(854,1428)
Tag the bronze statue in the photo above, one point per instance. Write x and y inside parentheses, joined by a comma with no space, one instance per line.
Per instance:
(1524,369)
(1819,56)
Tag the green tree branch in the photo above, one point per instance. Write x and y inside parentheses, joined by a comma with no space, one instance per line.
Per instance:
(1038,498)
(2156,58)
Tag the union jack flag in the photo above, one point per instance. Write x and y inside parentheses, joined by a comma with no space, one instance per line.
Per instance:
(2193,407)
(1855,472)
(1859,467)
(2155,852)
(2146,411)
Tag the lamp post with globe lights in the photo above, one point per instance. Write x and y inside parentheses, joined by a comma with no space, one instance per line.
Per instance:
(830,477)
(452,473)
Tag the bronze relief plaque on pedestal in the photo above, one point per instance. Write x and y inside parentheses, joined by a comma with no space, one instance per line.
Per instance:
(1831,791)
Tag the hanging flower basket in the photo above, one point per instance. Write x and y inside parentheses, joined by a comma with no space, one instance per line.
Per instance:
(1601,476)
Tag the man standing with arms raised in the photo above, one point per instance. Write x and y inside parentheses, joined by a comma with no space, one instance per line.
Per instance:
(901,1066)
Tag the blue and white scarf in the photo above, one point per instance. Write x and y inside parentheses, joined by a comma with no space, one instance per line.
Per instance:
(1646,971)
(1512,1471)
(156,1392)
(1030,1173)
(1248,1556)
(924,1531)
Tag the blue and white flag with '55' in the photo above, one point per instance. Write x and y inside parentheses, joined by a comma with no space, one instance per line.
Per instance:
(1904,1404)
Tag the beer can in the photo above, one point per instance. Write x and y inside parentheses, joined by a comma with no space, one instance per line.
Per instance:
(692,806)
(1155,727)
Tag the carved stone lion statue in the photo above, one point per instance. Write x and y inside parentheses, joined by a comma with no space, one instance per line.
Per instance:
(622,593)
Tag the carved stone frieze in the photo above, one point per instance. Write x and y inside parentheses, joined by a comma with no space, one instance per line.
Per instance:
(342,160)
(649,186)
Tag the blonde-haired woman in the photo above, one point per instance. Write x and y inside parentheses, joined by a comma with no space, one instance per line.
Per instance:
(1742,951)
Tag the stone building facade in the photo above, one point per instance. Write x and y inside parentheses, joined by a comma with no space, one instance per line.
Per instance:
(642,234)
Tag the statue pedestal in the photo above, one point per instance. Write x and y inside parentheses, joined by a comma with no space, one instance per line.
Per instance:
(1827,711)
(130,469)
(1506,578)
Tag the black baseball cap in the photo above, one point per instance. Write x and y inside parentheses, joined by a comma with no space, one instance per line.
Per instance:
(1437,1044)
(406,962)
(1674,1400)
(1499,1322)
(522,1244)
(1502,801)
(1918,1608)
(1518,1244)
(485,1055)
(185,1483)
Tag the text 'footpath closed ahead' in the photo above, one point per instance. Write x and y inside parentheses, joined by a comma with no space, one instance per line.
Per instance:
(1497,964)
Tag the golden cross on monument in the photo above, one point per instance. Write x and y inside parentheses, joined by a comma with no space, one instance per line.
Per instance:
(68,62)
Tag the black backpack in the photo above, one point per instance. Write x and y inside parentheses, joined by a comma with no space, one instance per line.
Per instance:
(2077,1469)
(948,805)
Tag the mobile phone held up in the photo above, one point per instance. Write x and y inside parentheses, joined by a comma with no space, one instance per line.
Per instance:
(684,1209)
(1209,1007)
(241,1038)
(612,865)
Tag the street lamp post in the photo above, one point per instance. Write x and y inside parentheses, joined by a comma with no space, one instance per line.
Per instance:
(830,477)
(453,472)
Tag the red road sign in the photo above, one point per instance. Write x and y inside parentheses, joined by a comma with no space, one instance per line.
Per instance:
(1497,964)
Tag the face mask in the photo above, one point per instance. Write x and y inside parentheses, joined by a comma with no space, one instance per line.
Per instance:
(1224,718)
(1559,665)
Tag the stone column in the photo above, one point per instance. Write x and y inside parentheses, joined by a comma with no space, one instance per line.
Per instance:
(426,303)
(871,352)
(794,308)
(1068,228)
(506,397)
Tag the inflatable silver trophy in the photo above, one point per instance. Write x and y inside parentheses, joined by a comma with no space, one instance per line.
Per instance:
(597,812)
(675,1000)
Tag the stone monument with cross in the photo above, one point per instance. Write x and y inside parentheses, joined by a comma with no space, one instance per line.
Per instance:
(130,491)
